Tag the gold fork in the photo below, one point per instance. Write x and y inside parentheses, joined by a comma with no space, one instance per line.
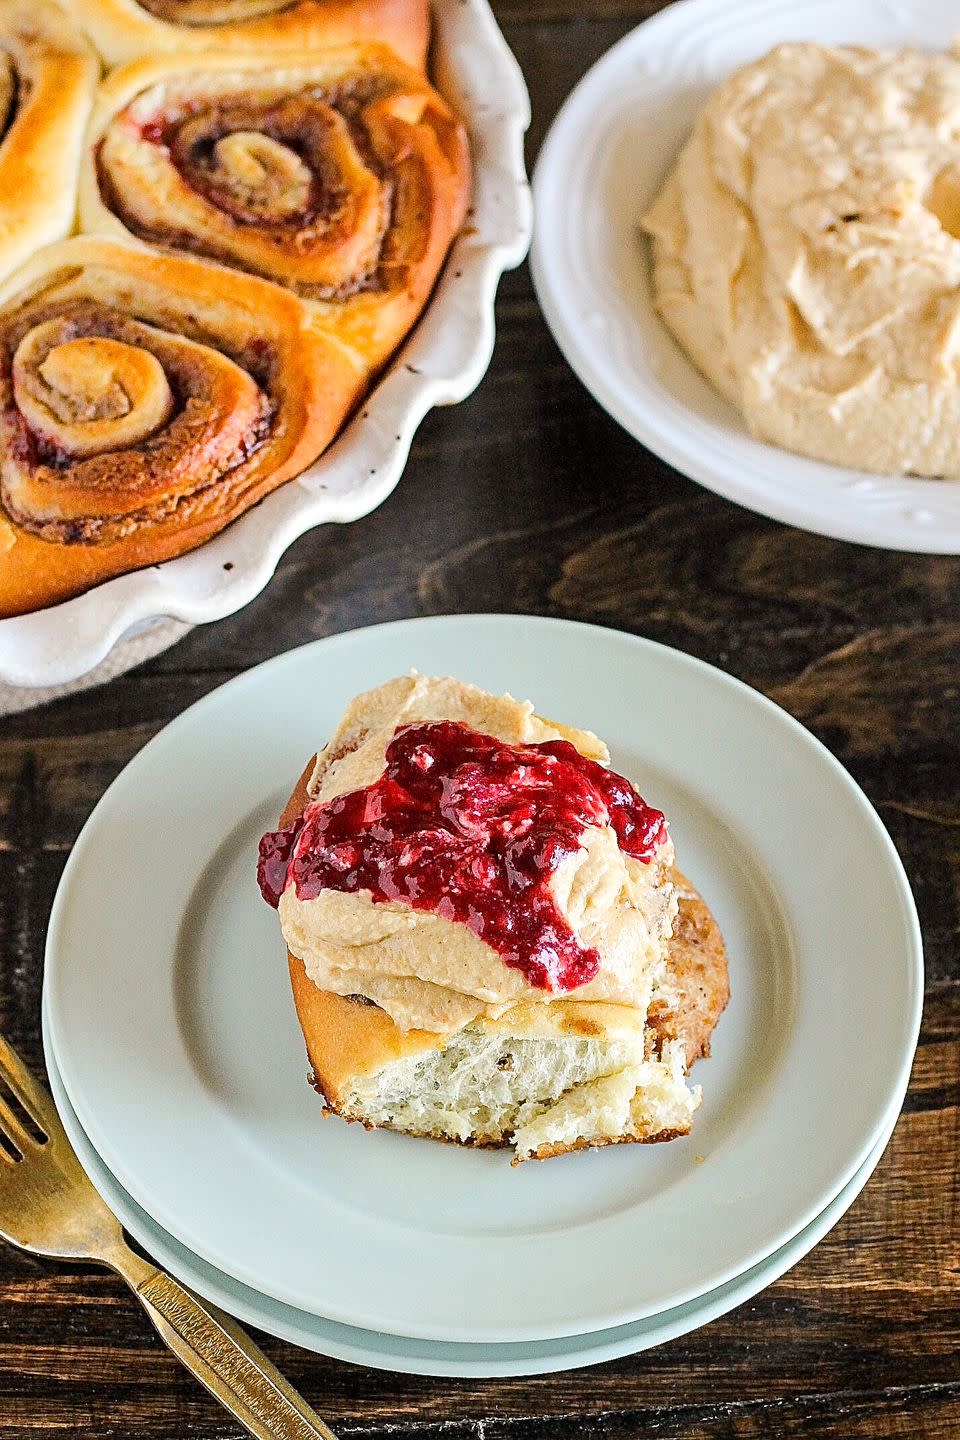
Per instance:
(49,1207)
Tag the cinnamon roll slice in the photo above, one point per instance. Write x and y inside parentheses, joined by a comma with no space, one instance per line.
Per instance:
(48,74)
(344,177)
(125,29)
(144,404)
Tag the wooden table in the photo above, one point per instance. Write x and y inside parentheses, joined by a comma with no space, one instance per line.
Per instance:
(528,498)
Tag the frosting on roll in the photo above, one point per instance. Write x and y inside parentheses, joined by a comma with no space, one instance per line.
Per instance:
(342,177)
(524,872)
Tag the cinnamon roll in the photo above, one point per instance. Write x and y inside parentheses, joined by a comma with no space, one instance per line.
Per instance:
(143,406)
(344,177)
(125,29)
(48,74)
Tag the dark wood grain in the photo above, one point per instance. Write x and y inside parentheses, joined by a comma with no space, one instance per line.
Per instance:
(529,498)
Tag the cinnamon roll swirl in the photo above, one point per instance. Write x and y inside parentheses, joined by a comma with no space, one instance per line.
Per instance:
(143,406)
(344,177)
(48,74)
(125,29)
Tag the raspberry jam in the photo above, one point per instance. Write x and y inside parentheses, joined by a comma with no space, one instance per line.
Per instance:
(471,828)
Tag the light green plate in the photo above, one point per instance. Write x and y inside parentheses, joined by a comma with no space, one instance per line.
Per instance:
(170,1016)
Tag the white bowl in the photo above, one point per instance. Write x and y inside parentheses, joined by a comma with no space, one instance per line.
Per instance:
(442,362)
(602,164)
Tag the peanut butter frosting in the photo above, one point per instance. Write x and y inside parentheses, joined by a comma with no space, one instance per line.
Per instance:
(430,972)
(807,253)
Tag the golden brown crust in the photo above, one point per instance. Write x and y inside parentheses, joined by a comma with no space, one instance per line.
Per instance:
(52,73)
(698,972)
(256,393)
(132,427)
(345,1038)
(344,176)
(122,30)
(550,1152)
(299,797)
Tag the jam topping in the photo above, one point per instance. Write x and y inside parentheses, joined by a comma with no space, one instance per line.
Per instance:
(471,828)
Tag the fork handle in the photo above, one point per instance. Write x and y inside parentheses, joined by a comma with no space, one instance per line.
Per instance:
(221,1356)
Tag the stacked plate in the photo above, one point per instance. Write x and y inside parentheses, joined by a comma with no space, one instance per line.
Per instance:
(178,1065)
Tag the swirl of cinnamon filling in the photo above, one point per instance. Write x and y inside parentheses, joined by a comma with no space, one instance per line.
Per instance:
(114,422)
(214,12)
(337,178)
(281,185)
(86,393)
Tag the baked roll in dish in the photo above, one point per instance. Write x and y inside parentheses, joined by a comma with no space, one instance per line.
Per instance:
(125,29)
(487,936)
(48,74)
(344,178)
(144,404)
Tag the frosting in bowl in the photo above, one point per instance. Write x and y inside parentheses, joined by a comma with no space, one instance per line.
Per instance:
(806,251)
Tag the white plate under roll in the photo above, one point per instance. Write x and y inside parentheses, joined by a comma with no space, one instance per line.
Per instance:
(169,1010)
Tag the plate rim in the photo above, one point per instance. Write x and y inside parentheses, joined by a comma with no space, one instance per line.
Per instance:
(913,960)
(668,441)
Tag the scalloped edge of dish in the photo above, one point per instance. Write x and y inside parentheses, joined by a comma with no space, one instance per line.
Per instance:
(442,361)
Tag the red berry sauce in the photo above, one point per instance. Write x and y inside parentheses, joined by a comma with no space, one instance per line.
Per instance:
(471,828)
